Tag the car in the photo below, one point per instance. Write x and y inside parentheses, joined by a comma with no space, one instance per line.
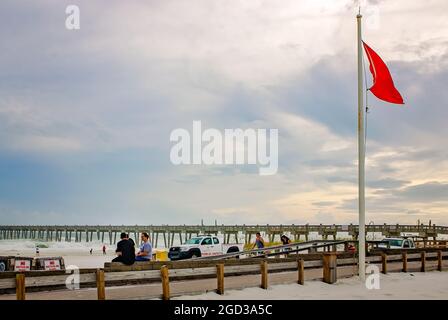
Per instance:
(202,246)
(397,243)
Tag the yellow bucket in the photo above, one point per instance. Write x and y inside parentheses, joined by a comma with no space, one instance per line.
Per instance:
(162,256)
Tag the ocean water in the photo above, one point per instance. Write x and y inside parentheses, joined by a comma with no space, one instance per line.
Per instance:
(27,245)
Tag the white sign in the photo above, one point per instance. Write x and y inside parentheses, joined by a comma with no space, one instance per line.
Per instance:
(22,265)
(52,265)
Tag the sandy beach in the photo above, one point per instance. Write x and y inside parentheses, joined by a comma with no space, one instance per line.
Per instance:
(397,286)
(431,285)
(77,254)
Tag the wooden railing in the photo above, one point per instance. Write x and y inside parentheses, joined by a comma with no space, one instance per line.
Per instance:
(295,247)
(431,243)
(163,275)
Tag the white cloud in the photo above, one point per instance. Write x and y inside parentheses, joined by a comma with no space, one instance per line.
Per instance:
(137,70)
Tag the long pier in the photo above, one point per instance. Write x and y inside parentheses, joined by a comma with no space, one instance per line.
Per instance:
(230,233)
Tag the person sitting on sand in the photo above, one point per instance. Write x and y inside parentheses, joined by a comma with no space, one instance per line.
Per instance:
(125,250)
(145,252)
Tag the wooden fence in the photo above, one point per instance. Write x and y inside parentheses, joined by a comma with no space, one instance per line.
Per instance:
(328,263)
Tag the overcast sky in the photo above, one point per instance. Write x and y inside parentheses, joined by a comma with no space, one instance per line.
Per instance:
(86,115)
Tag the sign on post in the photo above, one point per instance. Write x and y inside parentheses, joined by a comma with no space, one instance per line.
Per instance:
(22,265)
(52,265)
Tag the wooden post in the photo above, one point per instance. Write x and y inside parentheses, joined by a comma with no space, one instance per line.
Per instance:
(20,286)
(423,268)
(264,274)
(405,261)
(100,284)
(439,260)
(301,271)
(329,267)
(220,278)
(165,283)
(384,263)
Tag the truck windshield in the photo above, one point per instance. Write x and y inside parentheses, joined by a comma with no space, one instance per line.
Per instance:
(193,241)
(395,242)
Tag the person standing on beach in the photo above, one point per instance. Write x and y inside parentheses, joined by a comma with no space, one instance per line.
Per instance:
(37,251)
(259,241)
(285,241)
(125,250)
(104,249)
(91,250)
(145,252)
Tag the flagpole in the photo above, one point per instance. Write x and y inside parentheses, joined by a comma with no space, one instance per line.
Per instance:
(361,161)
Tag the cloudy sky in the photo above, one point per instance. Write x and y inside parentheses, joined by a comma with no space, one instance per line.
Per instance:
(86,115)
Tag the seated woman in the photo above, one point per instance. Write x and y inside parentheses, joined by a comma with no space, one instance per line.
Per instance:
(145,252)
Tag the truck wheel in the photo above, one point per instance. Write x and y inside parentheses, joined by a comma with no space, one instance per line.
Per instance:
(233,250)
(195,254)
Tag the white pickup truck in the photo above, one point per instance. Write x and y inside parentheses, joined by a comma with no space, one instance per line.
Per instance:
(397,243)
(202,246)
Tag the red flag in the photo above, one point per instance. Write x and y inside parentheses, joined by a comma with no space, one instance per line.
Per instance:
(383,85)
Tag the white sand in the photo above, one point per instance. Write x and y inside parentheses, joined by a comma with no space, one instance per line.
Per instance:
(74,253)
(402,286)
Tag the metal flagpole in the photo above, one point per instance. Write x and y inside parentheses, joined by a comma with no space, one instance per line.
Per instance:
(361,161)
